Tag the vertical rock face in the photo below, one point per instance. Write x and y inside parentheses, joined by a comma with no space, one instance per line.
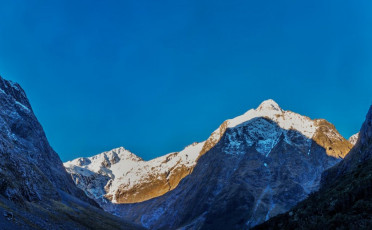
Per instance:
(252,167)
(29,167)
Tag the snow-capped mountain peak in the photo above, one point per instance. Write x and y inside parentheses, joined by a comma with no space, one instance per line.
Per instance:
(285,119)
(269,105)
(267,109)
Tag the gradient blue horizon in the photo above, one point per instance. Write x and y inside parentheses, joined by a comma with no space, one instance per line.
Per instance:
(155,76)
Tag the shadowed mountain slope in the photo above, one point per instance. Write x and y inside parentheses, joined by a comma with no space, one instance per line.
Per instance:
(344,200)
(35,190)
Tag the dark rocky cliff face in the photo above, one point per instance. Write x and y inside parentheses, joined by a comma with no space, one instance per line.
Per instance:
(35,190)
(344,200)
(361,153)
(29,167)
(256,170)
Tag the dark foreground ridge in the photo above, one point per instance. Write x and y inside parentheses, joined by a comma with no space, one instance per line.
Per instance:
(35,190)
(344,200)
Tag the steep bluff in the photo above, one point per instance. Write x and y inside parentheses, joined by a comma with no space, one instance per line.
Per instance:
(30,168)
(35,190)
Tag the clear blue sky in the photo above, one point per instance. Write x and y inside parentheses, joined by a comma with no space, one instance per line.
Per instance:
(155,76)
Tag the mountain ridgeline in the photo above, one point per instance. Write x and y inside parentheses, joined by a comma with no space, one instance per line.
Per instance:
(266,169)
(251,168)
(35,190)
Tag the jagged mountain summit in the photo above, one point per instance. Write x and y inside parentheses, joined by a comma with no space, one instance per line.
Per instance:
(344,200)
(35,190)
(251,168)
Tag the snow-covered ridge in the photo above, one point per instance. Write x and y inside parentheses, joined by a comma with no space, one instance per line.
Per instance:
(285,119)
(119,174)
(121,169)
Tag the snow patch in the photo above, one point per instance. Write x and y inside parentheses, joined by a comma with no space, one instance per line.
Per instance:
(354,138)
(25,108)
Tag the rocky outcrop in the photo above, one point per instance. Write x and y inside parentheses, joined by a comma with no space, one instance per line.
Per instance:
(254,167)
(327,136)
(361,152)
